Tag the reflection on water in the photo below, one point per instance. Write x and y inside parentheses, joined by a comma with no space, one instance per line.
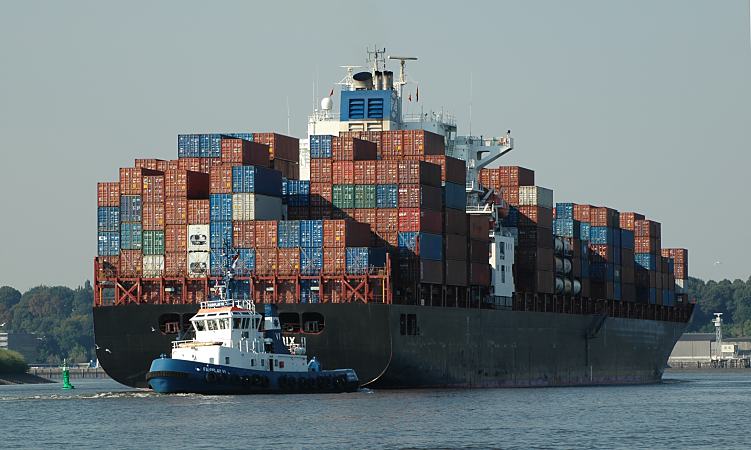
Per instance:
(688,410)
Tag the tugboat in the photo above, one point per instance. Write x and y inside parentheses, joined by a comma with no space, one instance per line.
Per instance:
(240,351)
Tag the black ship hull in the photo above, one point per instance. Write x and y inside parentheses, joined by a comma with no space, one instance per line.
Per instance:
(399,346)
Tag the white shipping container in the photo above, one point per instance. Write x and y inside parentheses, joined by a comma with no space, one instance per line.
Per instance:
(198,238)
(680,286)
(198,264)
(153,266)
(535,196)
(256,207)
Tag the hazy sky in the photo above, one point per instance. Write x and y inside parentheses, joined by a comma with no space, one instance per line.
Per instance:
(637,105)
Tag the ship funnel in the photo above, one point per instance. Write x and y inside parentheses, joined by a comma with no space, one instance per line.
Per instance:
(388,80)
(362,81)
(378,80)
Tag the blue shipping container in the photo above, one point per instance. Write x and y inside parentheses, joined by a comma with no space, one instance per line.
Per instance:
(220,234)
(188,145)
(566,228)
(646,260)
(246,261)
(108,218)
(109,243)
(360,259)
(387,196)
(288,233)
(512,219)
(320,146)
(257,180)
(309,291)
(426,245)
(130,235)
(601,271)
(584,231)
(245,136)
(601,235)
(617,291)
(311,260)
(564,211)
(627,239)
(220,207)
(298,192)
(130,208)
(311,233)
(455,196)
(652,296)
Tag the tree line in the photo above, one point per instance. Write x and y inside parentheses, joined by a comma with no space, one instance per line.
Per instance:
(62,317)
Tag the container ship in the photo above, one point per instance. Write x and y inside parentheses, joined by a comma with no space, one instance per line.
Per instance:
(390,244)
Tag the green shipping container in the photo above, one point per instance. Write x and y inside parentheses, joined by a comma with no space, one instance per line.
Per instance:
(153,242)
(343,196)
(365,196)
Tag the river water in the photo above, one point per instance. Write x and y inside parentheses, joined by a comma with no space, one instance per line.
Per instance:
(688,410)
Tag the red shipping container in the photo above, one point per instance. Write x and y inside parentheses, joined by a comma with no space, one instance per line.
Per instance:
(131,263)
(153,164)
(343,172)
(298,212)
(387,220)
(345,233)
(320,194)
(288,261)
(644,244)
(199,212)
(628,219)
(581,212)
(478,225)
(389,238)
(266,261)
(288,169)
(456,272)
(647,228)
(366,172)
(479,274)
(173,164)
(220,179)
(153,189)
(417,196)
(452,170)
(334,260)
(186,184)
(455,221)
(108,266)
(175,238)
(601,216)
(388,172)
(479,250)
(175,264)
(108,194)
(320,171)
(321,212)
(535,216)
(266,234)
(367,215)
(455,247)
(192,164)
(244,234)
(131,179)
(352,149)
(416,219)
(280,146)
(419,172)
(240,151)
(153,216)
(516,176)
(175,211)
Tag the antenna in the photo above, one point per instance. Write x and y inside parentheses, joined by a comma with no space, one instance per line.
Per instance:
(347,80)
(375,56)
(288,116)
(471,88)
(402,73)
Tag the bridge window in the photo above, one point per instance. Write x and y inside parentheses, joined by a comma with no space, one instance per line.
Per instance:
(226,360)
(223,324)
(237,323)
(313,322)
(290,322)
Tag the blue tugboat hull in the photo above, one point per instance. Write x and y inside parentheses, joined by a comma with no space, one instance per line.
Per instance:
(172,376)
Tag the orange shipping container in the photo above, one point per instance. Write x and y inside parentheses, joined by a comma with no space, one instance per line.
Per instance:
(343,172)
(175,238)
(131,263)
(320,170)
(240,151)
(153,216)
(220,179)
(108,194)
(288,260)
(266,261)
(186,184)
(366,172)
(153,189)
(175,264)
(266,233)
(334,260)
(131,179)
(176,211)
(388,172)
(243,233)
(198,212)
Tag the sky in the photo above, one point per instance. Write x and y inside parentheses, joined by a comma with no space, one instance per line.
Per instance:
(637,105)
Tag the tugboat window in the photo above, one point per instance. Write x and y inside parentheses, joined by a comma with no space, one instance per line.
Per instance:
(223,324)
(200,325)
(211,325)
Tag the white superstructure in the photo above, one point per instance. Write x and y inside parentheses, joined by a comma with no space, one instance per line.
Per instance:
(373,101)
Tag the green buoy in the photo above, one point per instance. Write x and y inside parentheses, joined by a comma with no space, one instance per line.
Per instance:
(66,377)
